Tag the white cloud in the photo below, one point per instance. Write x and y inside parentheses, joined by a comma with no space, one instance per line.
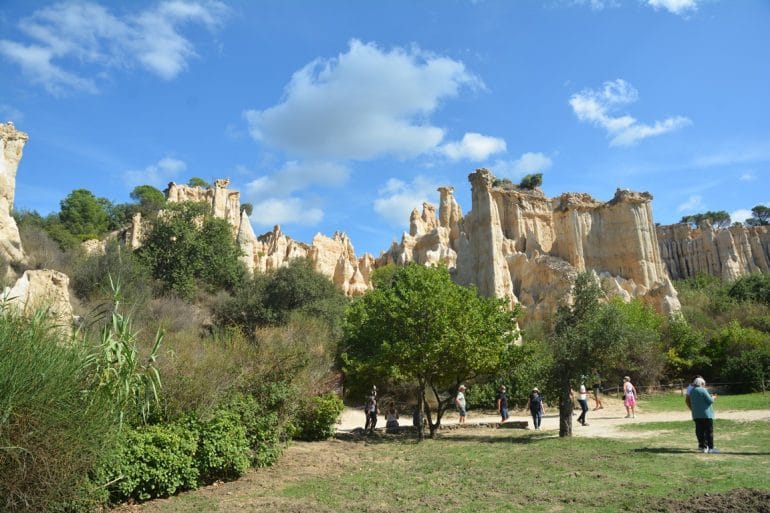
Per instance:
(674,6)
(740,215)
(595,107)
(74,34)
(362,104)
(272,211)
(526,164)
(474,147)
(398,199)
(10,113)
(158,174)
(747,177)
(294,176)
(693,204)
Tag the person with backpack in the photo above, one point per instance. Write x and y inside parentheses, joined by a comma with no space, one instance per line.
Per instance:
(501,401)
(536,407)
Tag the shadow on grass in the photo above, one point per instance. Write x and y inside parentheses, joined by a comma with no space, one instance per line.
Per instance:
(523,438)
(676,450)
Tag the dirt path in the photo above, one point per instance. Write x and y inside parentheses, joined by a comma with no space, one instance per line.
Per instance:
(601,423)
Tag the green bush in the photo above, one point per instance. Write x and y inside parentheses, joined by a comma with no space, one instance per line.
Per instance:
(317,419)
(748,371)
(54,426)
(753,287)
(481,396)
(154,461)
(264,427)
(223,450)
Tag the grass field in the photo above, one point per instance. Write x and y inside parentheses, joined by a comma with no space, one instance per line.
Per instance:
(654,467)
(672,401)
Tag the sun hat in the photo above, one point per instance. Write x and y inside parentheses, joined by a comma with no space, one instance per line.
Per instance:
(461,387)
(536,390)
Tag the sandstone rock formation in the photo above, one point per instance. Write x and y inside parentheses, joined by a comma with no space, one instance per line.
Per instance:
(43,289)
(522,245)
(331,256)
(36,288)
(728,253)
(12,143)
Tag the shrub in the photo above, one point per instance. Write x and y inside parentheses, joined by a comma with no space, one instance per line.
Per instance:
(753,287)
(318,416)
(748,371)
(264,426)
(54,426)
(531,181)
(154,461)
(223,450)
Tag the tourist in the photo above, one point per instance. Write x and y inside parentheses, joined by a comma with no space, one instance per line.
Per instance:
(630,395)
(702,406)
(370,409)
(391,420)
(536,407)
(597,387)
(460,403)
(501,400)
(689,391)
(583,400)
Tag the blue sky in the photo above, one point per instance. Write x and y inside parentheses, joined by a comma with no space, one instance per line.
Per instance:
(343,115)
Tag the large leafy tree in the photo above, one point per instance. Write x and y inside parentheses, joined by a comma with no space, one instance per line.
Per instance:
(84,215)
(586,336)
(419,327)
(188,248)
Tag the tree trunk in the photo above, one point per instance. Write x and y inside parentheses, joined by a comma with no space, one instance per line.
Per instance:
(420,405)
(565,410)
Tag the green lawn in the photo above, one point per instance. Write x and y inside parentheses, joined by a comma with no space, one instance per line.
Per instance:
(488,470)
(672,401)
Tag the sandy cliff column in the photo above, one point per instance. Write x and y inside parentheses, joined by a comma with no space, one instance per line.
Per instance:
(12,143)
(483,255)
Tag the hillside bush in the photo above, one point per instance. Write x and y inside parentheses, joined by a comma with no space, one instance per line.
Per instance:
(223,449)
(317,417)
(748,371)
(753,287)
(264,425)
(55,426)
(154,461)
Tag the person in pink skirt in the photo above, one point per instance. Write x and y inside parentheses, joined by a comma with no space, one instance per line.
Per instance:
(629,397)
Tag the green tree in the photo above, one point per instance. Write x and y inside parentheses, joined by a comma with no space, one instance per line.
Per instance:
(422,328)
(531,181)
(718,219)
(760,216)
(189,248)
(248,208)
(198,182)
(84,215)
(149,198)
(585,336)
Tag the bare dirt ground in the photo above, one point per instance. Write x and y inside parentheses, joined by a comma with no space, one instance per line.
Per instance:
(604,423)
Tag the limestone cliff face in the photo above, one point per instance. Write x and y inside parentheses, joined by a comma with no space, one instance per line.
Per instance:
(35,289)
(522,245)
(331,256)
(728,253)
(43,289)
(12,143)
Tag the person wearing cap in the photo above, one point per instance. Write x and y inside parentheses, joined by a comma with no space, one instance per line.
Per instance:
(460,402)
(536,407)
(702,406)
(501,400)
